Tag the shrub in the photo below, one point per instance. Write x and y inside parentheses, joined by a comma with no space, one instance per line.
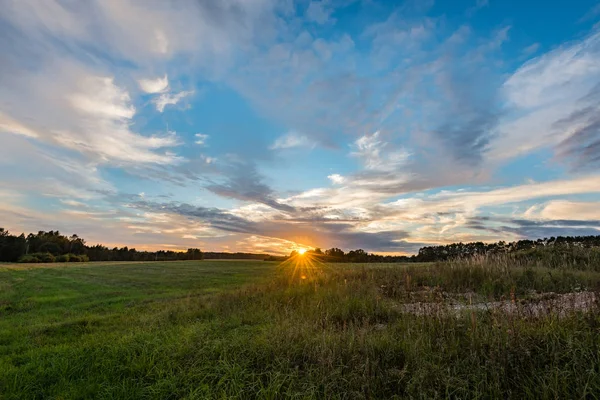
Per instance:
(44,257)
(37,258)
(78,258)
(63,258)
(28,258)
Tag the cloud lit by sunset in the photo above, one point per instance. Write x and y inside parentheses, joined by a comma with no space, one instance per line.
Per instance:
(270,126)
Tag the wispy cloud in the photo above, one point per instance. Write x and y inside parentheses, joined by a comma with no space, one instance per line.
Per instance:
(9,125)
(553,104)
(413,113)
(157,85)
(531,49)
(479,4)
(310,232)
(564,210)
(201,138)
(244,182)
(591,14)
(102,98)
(292,140)
(166,99)
(378,155)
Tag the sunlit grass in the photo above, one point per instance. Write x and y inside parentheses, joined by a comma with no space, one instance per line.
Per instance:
(299,329)
(303,266)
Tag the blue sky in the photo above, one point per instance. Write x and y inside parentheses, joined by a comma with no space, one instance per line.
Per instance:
(267,126)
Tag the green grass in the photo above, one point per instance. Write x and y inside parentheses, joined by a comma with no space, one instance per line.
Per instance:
(236,329)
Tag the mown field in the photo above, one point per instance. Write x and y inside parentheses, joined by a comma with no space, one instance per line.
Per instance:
(303,329)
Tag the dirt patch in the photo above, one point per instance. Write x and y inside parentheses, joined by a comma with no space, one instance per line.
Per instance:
(537,306)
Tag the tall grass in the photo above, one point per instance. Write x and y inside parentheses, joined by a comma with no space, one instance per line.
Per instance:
(321,331)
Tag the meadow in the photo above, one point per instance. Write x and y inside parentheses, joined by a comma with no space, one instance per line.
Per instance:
(301,329)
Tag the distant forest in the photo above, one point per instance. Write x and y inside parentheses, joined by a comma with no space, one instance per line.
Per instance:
(54,247)
(462,250)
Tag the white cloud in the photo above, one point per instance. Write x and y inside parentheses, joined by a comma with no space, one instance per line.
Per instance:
(443,217)
(565,210)
(72,203)
(208,160)
(562,74)
(149,30)
(9,125)
(201,139)
(102,98)
(463,201)
(105,113)
(82,111)
(337,179)
(543,94)
(28,167)
(374,153)
(257,212)
(292,140)
(157,85)
(170,99)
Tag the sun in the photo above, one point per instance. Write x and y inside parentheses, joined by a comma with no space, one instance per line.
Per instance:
(303,265)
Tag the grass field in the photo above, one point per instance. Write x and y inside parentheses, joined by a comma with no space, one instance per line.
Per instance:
(247,329)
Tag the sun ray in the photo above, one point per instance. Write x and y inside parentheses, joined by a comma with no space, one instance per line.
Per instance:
(303,266)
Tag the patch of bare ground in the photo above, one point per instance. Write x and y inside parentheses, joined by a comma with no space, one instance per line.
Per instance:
(537,305)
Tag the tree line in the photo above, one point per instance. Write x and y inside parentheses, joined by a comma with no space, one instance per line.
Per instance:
(355,256)
(53,246)
(466,250)
(457,250)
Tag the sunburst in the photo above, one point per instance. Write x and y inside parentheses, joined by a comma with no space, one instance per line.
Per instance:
(303,266)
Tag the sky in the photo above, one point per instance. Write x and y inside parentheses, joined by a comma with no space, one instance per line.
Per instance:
(268,126)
